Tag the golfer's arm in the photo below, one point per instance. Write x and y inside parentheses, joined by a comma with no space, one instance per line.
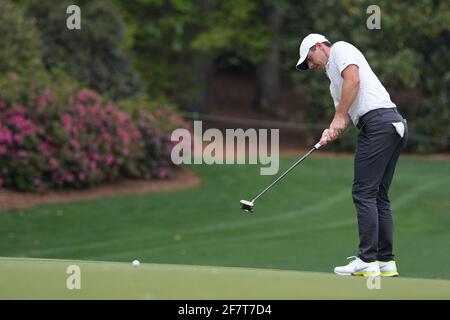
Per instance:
(350,89)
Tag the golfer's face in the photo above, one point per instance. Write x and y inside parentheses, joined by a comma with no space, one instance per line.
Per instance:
(316,58)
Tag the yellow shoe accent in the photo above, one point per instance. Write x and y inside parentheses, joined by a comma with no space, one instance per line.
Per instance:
(388,268)
(389,274)
(366,274)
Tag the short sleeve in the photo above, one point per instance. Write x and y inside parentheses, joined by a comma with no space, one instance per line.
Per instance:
(344,55)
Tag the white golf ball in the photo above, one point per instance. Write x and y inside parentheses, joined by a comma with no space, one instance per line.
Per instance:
(136,263)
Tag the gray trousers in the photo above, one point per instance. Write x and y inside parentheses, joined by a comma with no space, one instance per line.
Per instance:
(378,149)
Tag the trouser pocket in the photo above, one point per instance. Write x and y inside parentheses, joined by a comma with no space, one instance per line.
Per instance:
(400,128)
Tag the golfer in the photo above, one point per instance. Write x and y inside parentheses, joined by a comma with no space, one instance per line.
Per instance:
(360,98)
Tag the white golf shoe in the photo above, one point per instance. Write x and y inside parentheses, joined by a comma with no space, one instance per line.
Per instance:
(388,269)
(359,268)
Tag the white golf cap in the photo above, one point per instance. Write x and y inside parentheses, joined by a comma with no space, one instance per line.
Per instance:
(308,42)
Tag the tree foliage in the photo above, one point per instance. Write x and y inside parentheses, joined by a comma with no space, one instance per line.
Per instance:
(177,45)
(93,54)
(21,49)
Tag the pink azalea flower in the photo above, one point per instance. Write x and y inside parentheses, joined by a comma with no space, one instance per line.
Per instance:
(45,149)
(162,172)
(37,183)
(109,107)
(17,138)
(95,156)
(81,110)
(135,134)
(67,121)
(22,154)
(85,95)
(109,159)
(123,134)
(19,109)
(69,177)
(122,117)
(24,125)
(5,135)
(54,163)
(78,128)
(95,109)
(74,143)
(43,98)
(106,136)
(2,150)
(18,121)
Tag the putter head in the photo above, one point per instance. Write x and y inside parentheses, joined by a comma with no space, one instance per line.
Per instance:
(247,206)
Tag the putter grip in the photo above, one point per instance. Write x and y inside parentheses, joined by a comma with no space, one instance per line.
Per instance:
(319,144)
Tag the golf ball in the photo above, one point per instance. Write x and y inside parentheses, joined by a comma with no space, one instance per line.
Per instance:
(135,263)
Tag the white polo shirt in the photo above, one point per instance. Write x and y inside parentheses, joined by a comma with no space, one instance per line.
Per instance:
(372,95)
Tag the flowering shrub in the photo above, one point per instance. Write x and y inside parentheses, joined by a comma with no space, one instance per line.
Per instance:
(84,141)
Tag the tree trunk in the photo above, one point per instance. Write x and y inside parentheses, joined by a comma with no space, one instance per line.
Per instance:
(202,76)
(202,66)
(268,72)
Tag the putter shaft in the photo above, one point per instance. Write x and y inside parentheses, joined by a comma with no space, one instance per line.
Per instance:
(317,146)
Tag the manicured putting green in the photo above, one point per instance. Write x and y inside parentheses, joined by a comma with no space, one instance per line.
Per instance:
(47,279)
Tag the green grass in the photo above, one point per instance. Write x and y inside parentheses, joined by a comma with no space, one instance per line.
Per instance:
(47,279)
(306,223)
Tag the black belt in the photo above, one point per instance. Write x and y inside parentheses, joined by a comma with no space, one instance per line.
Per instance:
(373,113)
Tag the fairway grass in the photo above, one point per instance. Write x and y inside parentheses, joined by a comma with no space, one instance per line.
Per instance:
(306,223)
(46,279)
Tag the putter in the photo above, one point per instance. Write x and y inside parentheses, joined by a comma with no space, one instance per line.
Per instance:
(247,206)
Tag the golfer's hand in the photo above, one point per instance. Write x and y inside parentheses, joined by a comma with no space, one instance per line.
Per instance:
(326,136)
(338,125)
